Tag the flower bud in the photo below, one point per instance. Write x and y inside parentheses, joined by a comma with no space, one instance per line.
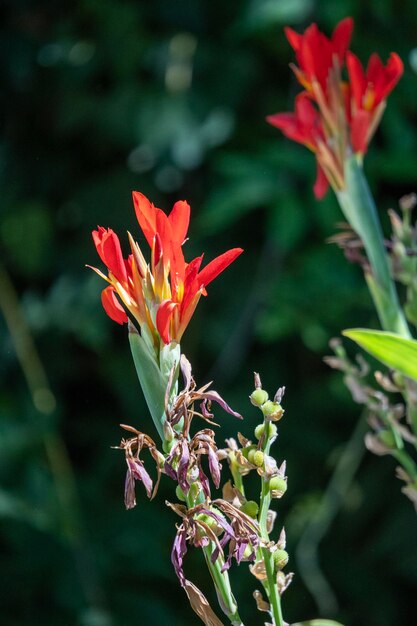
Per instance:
(280,558)
(258,397)
(251,453)
(277,486)
(168,431)
(250,508)
(387,438)
(272,410)
(167,446)
(258,458)
(180,494)
(260,429)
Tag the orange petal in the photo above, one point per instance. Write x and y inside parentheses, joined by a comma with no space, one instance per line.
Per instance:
(112,306)
(163,319)
(215,267)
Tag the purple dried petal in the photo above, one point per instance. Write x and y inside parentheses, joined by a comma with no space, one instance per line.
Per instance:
(214,465)
(213,396)
(204,481)
(179,550)
(186,371)
(169,471)
(139,472)
(184,462)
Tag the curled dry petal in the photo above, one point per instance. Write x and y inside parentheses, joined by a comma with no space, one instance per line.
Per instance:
(200,605)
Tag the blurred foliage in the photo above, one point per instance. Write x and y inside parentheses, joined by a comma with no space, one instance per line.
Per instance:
(100,97)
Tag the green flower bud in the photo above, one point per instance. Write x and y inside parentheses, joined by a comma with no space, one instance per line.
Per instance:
(251,453)
(194,491)
(167,446)
(258,458)
(260,429)
(278,485)
(258,397)
(387,438)
(272,410)
(250,508)
(180,494)
(248,551)
(280,558)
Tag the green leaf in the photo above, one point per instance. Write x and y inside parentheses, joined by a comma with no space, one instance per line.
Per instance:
(151,380)
(318,622)
(389,348)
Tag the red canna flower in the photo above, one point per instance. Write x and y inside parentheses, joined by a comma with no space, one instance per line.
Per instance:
(316,53)
(369,92)
(161,296)
(333,117)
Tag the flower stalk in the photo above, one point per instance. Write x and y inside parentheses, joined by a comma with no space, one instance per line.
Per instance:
(358,207)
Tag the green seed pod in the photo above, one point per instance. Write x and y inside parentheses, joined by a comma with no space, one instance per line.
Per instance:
(258,397)
(280,558)
(258,458)
(250,508)
(180,494)
(277,486)
(248,551)
(272,410)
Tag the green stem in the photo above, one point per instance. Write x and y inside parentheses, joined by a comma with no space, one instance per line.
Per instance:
(271,583)
(220,579)
(359,208)
(222,584)
(407,462)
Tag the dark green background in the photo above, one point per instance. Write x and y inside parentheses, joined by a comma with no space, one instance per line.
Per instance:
(100,97)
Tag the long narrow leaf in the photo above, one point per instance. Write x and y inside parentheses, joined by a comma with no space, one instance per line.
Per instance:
(389,348)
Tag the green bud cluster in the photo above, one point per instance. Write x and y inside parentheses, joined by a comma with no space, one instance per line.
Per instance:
(256,457)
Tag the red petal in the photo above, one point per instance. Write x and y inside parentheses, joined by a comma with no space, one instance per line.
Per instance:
(108,248)
(112,306)
(357,78)
(179,219)
(163,319)
(215,267)
(359,131)
(146,215)
(294,38)
(321,185)
(341,37)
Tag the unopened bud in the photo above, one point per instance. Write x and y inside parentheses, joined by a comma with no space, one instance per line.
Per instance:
(387,438)
(280,558)
(260,429)
(180,494)
(250,508)
(258,458)
(168,445)
(258,397)
(272,410)
(277,486)
(168,431)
